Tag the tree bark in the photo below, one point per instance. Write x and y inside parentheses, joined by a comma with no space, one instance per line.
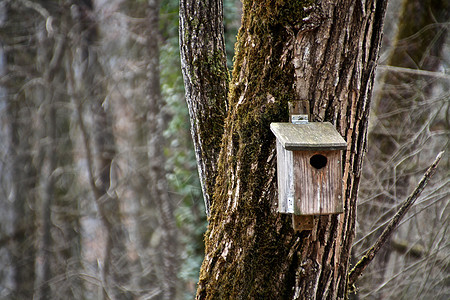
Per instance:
(287,51)
(204,66)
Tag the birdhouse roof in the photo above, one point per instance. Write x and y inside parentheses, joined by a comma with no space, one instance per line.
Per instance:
(309,136)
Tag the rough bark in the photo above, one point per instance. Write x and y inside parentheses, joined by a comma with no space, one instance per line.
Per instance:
(324,53)
(204,66)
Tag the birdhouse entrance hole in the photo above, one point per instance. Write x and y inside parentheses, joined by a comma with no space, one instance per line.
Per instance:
(318,161)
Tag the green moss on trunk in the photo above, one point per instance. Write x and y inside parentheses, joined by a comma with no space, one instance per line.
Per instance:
(262,86)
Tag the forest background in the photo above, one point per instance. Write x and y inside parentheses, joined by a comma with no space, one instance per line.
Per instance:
(99,192)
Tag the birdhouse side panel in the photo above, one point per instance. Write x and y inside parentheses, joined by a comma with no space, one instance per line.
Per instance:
(285,179)
(318,185)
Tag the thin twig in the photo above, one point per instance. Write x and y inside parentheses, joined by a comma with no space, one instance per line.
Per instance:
(413,71)
(406,205)
(37,7)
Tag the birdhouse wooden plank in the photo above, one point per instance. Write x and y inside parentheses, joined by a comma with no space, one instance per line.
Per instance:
(309,168)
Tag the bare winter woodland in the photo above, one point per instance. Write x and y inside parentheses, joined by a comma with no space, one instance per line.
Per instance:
(99,190)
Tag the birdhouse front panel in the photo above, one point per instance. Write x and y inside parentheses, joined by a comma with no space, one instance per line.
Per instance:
(318,188)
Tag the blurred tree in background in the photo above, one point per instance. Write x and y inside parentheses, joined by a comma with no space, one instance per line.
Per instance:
(99,190)
(409,125)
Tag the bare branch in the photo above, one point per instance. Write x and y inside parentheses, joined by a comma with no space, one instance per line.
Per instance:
(43,12)
(37,7)
(414,71)
(389,230)
(84,132)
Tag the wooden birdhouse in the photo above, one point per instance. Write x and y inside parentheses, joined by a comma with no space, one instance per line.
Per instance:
(309,168)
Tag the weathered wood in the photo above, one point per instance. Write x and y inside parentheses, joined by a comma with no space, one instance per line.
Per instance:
(296,108)
(299,107)
(310,176)
(317,191)
(311,136)
(305,190)
(304,222)
(299,112)
(285,179)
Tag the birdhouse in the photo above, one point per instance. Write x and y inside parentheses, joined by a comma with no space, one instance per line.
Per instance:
(309,168)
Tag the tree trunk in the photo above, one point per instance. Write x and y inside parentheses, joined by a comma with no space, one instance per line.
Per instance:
(22,183)
(288,51)
(50,54)
(399,110)
(116,265)
(204,66)
(158,185)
